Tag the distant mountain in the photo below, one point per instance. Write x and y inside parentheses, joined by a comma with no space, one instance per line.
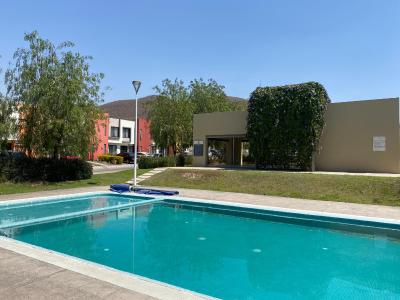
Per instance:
(125,109)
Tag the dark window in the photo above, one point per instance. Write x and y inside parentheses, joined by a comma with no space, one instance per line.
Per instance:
(114,131)
(126,132)
(198,149)
(112,149)
(124,148)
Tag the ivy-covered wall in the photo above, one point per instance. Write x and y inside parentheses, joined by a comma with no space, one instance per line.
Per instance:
(285,124)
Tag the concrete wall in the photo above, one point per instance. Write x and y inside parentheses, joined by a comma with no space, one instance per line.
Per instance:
(214,125)
(347,140)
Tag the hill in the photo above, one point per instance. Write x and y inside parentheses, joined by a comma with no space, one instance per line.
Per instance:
(125,109)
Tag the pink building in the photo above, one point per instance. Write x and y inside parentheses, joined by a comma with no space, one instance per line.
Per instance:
(145,143)
(100,146)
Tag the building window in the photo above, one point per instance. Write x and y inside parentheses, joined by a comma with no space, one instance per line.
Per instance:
(114,131)
(124,148)
(126,132)
(131,149)
(112,149)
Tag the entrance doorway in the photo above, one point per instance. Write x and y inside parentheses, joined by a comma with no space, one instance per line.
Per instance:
(228,151)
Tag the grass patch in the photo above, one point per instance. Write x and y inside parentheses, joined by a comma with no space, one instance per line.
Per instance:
(96,180)
(344,188)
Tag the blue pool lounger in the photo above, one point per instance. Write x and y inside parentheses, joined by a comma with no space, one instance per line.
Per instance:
(124,188)
(155,192)
(120,188)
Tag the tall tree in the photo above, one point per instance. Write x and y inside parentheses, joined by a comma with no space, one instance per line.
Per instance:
(56,95)
(7,121)
(208,96)
(171,116)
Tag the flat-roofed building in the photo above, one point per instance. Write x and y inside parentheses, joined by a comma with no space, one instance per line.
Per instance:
(359,136)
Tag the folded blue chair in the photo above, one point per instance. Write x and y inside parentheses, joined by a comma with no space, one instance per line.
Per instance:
(120,188)
(155,192)
(125,188)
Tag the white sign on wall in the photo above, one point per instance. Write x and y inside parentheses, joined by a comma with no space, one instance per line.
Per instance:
(379,143)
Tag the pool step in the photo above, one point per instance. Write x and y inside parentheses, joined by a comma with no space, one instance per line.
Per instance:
(147,175)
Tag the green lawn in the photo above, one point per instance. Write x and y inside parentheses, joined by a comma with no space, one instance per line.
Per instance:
(357,189)
(96,180)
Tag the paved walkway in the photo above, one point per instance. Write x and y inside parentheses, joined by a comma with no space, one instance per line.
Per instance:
(100,168)
(147,175)
(304,172)
(362,210)
(54,193)
(22,277)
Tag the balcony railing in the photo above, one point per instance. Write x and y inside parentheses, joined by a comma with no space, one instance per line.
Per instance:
(126,139)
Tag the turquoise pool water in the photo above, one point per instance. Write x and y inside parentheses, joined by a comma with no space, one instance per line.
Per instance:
(230,256)
(23,212)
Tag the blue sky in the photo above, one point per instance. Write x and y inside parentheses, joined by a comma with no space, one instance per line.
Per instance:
(351,47)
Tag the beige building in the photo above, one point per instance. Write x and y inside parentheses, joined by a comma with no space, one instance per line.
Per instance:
(359,136)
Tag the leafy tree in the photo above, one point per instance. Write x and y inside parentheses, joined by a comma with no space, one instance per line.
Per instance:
(239,105)
(171,116)
(56,95)
(208,96)
(7,122)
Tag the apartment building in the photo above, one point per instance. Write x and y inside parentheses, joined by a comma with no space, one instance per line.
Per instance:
(122,126)
(121,136)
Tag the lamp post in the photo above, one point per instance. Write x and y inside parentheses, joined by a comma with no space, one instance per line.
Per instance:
(136,85)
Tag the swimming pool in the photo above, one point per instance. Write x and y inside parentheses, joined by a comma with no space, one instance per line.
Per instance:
(226,251)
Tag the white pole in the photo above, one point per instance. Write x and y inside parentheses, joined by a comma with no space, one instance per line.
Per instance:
(135,141)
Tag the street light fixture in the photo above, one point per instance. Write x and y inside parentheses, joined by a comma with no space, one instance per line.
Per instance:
(136,85)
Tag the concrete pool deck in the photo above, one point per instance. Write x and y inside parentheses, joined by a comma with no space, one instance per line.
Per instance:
(24,277)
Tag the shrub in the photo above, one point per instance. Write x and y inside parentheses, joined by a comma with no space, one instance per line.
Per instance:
(188,160)
(285,123)
(19,169)
(113,159)
(146,162)
(180,160)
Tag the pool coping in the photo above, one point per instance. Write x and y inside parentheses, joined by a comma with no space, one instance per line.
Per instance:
(143,285)
(71,214)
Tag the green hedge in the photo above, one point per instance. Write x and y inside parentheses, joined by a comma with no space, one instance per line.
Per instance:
(146,162)
(180,160)
(188,160)
(43,169)
(183,160)
(285,123)
(113,159)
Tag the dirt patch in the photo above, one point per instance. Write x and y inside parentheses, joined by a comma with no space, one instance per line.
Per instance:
(191,175)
